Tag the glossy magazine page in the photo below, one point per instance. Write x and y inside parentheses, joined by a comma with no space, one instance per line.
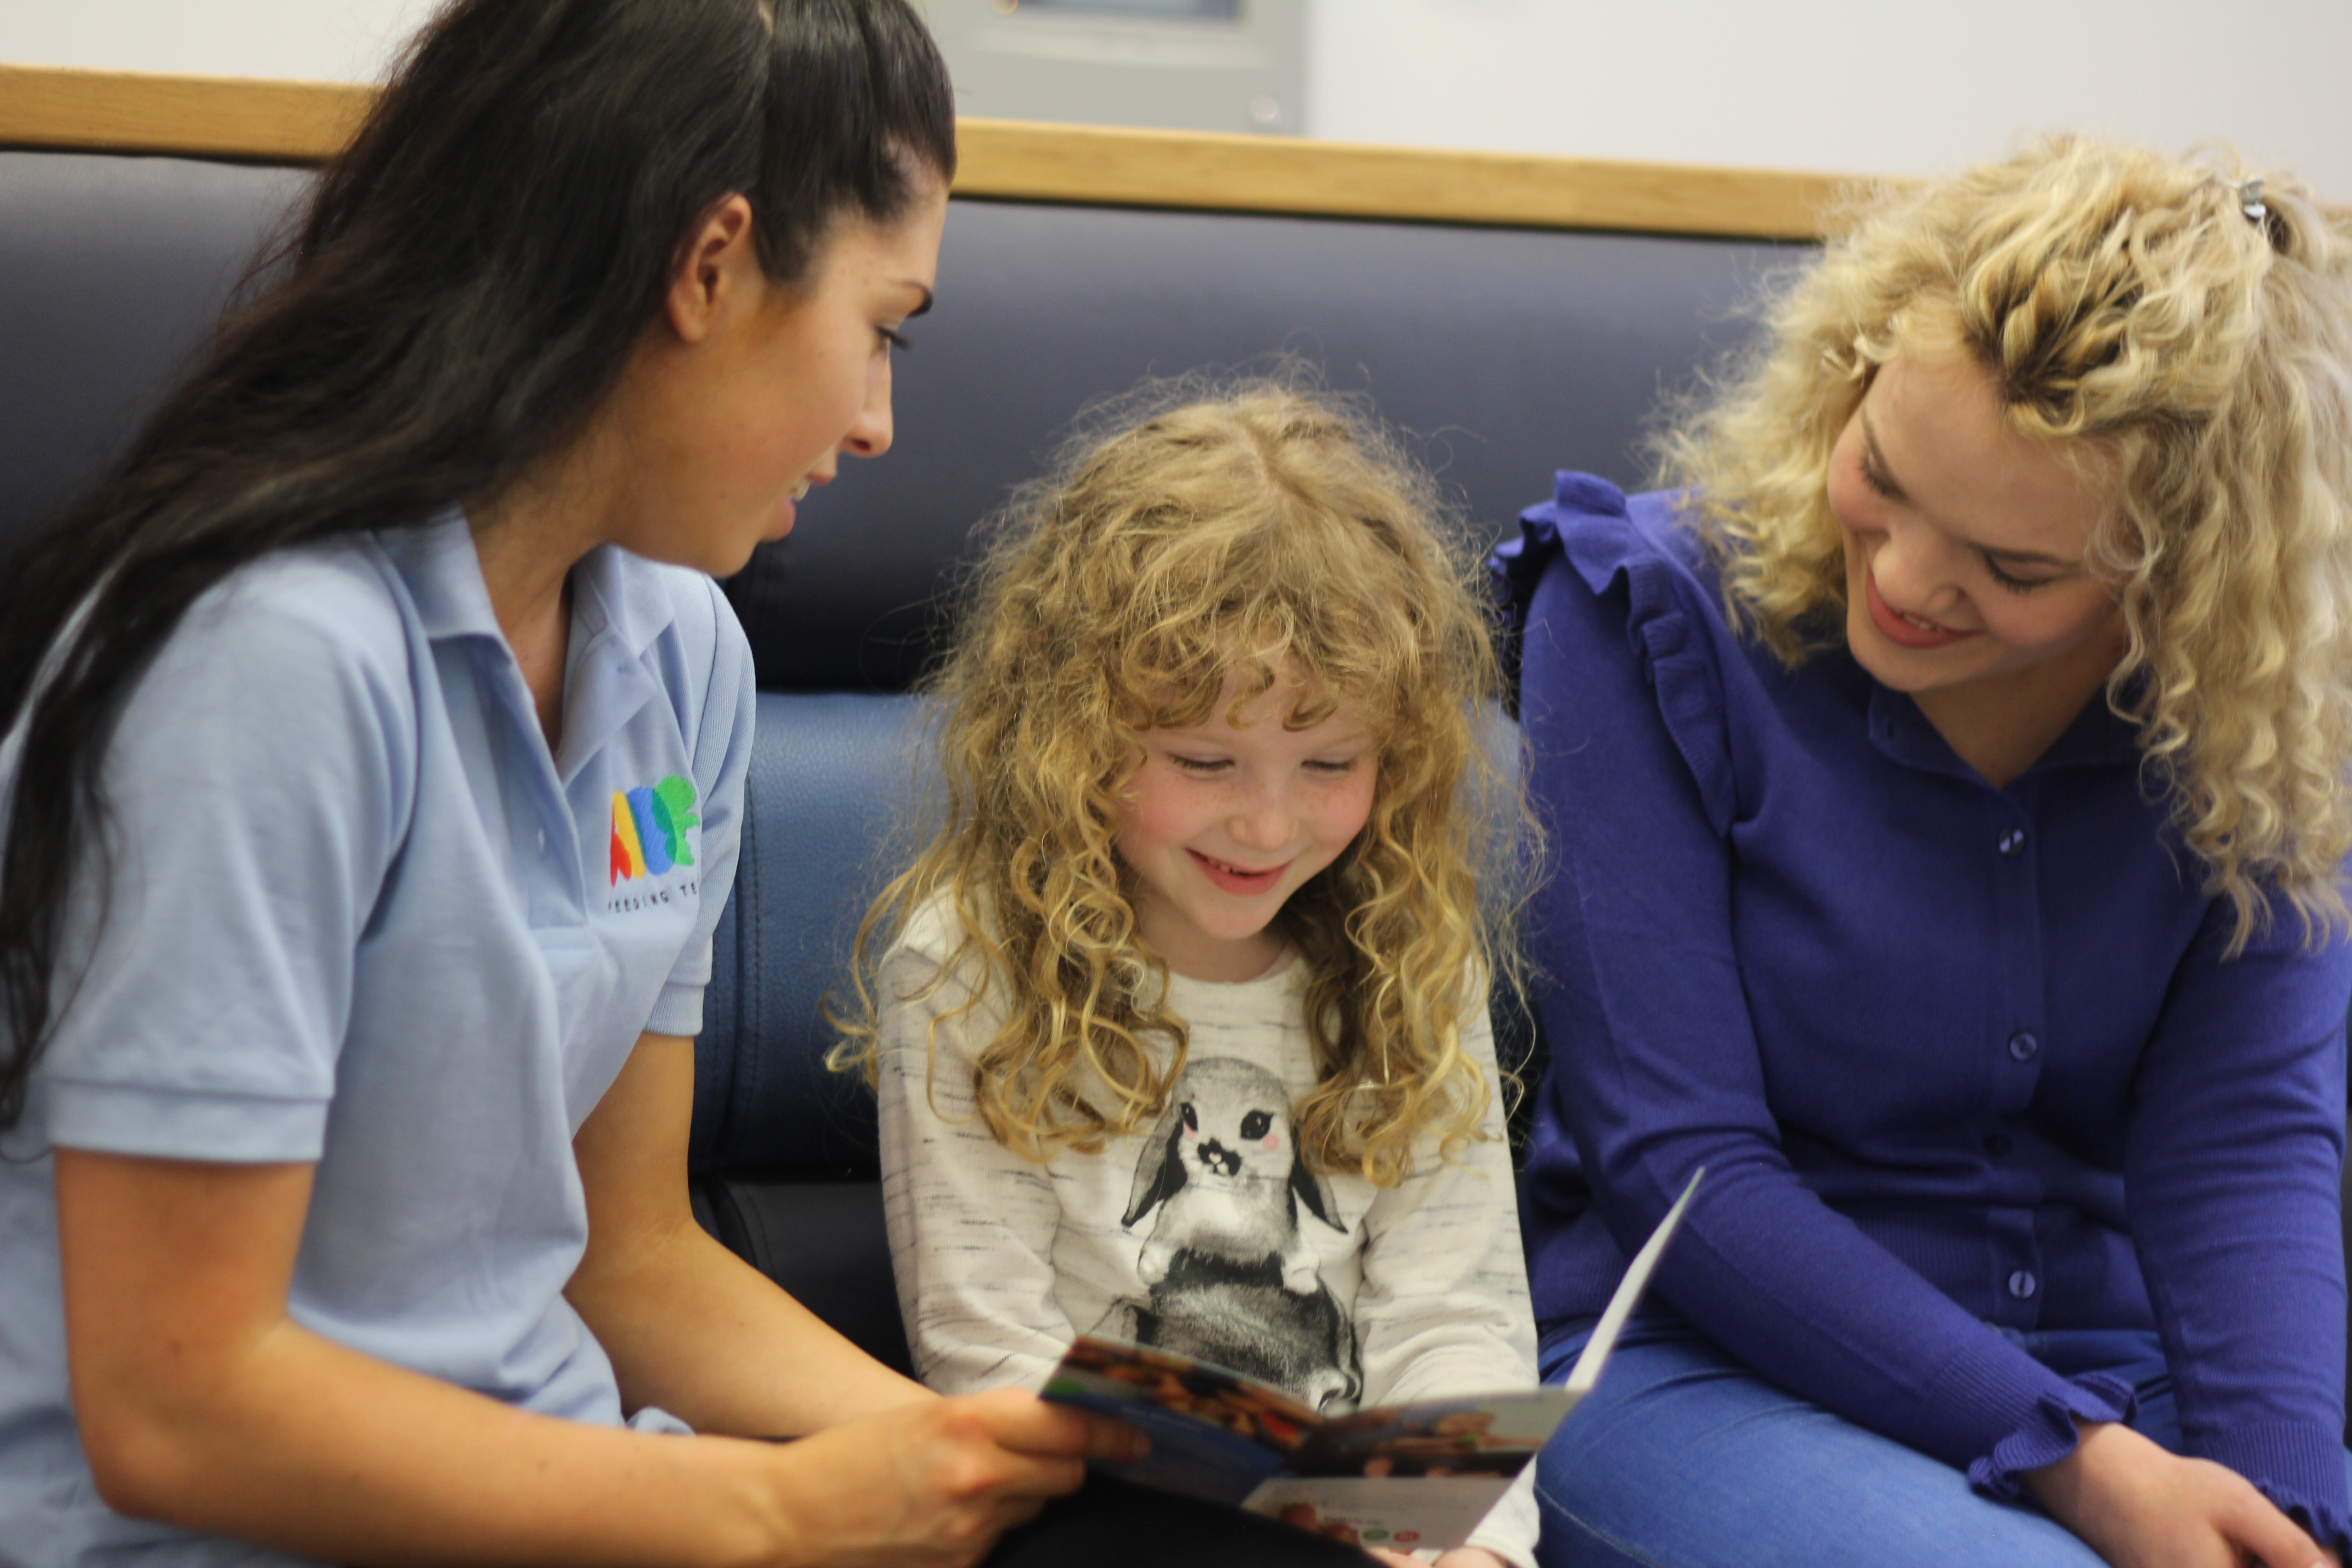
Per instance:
(1401,1476)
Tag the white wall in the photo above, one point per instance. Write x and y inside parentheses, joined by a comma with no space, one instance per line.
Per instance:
(1862,85)
(301,40)
(1865,86)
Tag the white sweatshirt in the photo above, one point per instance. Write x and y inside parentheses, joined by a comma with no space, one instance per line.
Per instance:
(1327,1286)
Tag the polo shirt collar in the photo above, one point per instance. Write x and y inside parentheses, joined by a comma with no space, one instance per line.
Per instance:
(437,564)
(629,608)
(616,615)
(444,574)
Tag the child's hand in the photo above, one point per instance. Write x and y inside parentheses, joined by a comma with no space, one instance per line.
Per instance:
(933,1484)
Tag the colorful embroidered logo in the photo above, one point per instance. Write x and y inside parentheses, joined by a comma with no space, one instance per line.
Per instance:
(649,829)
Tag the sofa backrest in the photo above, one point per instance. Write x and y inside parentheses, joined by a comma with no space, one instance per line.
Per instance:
(1502,354)
(112,270)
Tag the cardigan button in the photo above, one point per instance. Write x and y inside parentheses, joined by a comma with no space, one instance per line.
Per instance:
(2024,1046)
(2022,1285)
(2014,841)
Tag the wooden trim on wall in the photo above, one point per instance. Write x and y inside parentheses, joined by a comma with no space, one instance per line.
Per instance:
(303,122)
(1259,173)
(191,116)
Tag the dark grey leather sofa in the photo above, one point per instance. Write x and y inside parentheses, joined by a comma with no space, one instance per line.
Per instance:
(1505,355)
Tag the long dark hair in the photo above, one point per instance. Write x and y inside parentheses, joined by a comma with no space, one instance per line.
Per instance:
(463,290)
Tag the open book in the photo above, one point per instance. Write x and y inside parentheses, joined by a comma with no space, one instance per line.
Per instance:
(1402,1476)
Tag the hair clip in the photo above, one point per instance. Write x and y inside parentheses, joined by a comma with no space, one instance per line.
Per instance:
(2250,201)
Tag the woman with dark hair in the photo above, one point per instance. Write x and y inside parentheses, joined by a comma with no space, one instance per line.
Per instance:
(375,750)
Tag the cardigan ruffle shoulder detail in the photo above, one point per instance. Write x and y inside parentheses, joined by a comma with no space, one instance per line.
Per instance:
(1639,551)
(2050,1432)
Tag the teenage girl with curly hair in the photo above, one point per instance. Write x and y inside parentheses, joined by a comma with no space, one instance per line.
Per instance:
(1949,779)
(1179,1020)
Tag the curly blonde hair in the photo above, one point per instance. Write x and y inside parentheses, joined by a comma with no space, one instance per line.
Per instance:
(1260,532)
(2197,353)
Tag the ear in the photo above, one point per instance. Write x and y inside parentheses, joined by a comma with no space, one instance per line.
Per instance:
(1312,1190)
(718,263)
(1160,1173)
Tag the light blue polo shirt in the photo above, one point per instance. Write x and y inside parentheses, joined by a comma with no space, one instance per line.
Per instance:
(359,916)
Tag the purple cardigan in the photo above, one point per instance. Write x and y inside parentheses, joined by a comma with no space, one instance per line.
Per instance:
(1953,1056)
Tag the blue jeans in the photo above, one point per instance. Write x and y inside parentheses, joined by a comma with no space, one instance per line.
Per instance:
(1683,1459)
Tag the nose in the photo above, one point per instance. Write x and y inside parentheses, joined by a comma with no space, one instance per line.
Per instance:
(1912,567)
(869,433)
(1263,821)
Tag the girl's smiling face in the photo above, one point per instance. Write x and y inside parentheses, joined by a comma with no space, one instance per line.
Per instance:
(1965,539)
(1226,819)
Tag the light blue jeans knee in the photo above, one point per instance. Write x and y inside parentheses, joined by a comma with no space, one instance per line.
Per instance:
(1683,1459)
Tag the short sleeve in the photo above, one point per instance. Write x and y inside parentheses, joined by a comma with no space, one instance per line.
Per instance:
(720,742)
(256,787)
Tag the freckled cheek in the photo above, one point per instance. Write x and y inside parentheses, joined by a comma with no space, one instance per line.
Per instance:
(1158,817)
(1167,832)
(1343,817)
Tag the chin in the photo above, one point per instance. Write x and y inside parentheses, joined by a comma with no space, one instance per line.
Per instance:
(695,555)
(1233,930)
(1910,684)
(714,561)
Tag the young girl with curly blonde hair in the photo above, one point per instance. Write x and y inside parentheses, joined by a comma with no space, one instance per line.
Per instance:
(1949,784)
(1179,1021)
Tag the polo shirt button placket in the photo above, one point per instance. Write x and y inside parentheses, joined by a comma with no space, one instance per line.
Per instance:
(2022,1284)
(2013,843)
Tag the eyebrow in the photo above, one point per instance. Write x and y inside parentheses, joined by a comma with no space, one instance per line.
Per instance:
(1887,477)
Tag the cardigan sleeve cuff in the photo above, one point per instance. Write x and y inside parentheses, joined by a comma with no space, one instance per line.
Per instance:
(2050,1432)
(2331,1527)
(2299,1467)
